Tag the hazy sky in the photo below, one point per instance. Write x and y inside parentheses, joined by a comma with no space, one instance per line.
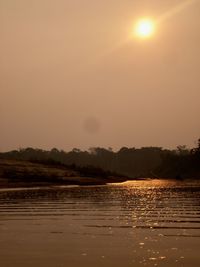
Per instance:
(69,77)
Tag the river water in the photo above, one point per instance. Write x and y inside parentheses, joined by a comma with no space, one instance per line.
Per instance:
(137,223)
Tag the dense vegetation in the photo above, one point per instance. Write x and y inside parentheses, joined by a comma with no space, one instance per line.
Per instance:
(151,162)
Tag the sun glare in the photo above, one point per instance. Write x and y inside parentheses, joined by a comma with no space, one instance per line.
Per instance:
(144,28)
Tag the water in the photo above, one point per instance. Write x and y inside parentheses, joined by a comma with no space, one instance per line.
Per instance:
(143,223)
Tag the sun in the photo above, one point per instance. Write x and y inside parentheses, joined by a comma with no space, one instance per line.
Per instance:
(144,28)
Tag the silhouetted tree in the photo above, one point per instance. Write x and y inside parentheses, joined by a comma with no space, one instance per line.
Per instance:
(132,162)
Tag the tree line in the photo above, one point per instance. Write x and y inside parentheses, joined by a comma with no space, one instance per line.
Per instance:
(145,162)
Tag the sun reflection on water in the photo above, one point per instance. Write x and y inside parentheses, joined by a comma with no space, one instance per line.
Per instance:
(137,223)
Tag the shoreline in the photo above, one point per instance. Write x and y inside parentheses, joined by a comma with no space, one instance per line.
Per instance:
(25,174)
(17,174)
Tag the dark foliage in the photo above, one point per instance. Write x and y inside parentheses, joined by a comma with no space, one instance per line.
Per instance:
(151,162)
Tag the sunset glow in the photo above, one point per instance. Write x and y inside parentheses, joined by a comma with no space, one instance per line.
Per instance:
(100,133)
(144,28)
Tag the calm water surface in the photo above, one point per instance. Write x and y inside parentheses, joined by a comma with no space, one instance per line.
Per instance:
(143,223)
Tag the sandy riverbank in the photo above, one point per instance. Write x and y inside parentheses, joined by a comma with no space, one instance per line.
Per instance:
(15,173)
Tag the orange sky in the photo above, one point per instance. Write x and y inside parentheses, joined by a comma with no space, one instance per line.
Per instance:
(69,78)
